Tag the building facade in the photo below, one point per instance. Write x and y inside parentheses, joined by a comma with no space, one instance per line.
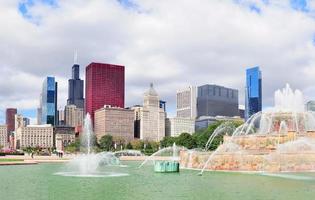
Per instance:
(3,136)
(177,125)
(137,116)
(75,88)
(117,122)
(152,117)
(205,121)
(214,100)
(61,117)
(34,136)
(18,121)
(105,85)
(310,106)
(10,120)
(186,102)
(26,121)
(49,102)
(253,92)
(63,137)
(74,116)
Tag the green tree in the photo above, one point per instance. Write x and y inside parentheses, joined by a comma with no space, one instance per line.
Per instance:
(167,141)
(202,136)
(129,146)
(106,142)
(73,147)
(186,140)
(137,144)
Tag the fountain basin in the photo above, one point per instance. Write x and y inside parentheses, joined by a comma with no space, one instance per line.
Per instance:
(166,166)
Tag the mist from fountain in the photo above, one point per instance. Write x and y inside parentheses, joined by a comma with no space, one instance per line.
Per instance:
(170,153)
(88,163)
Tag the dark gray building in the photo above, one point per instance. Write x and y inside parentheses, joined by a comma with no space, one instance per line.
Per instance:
(75,90)
(214,100)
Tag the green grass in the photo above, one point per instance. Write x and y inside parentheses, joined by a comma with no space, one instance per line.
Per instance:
(10,160)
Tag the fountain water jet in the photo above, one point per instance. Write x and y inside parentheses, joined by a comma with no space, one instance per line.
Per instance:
(273,140)
(89,164)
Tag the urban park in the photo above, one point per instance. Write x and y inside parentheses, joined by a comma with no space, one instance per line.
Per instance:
(270,156)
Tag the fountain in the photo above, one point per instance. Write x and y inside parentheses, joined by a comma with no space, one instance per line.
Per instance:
(88,163)
(166,159)
(278,139)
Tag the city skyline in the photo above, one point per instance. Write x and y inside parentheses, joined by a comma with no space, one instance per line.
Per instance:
(205,55)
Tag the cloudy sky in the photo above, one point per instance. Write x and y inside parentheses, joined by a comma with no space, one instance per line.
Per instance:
(172,43)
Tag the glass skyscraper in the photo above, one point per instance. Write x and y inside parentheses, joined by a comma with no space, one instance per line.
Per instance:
(253,92)
(49,102)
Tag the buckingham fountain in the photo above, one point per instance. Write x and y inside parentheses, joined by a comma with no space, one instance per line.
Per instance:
(278,139)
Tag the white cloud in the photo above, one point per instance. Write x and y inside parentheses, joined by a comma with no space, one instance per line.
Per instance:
(171,43)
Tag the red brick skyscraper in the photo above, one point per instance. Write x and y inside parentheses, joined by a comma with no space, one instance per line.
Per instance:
(10,120)
(105,85)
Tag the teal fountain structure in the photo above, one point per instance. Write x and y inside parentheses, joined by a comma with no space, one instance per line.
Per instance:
(165,160)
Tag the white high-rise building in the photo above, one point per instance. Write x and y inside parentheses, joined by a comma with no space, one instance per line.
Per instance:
(152,117)
(186,103)
(178,125)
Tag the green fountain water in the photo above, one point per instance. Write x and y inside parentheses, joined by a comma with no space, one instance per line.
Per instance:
(38,182)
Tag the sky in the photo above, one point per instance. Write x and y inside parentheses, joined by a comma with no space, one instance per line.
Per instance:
(172,43)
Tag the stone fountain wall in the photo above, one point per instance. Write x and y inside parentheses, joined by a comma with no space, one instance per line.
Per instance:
(256,154)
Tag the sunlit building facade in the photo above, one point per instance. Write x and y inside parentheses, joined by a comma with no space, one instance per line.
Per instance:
(253,92)
(49,102)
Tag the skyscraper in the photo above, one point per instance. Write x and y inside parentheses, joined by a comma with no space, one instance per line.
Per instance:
(75,88)
(253,91)
(10,120)
(152,117)
(186,102)
(214,100)
(49,101)
(105,85)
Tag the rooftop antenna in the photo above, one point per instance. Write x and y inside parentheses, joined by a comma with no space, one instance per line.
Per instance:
(75,57)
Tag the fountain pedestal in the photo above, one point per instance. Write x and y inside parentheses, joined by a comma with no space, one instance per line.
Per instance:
(166,166)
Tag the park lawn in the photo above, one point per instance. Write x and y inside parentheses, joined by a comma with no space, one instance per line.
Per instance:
(10,160)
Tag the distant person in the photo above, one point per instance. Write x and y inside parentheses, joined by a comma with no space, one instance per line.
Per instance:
(32,155)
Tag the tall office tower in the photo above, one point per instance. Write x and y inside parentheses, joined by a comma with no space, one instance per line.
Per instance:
(73,116)
(310,106)
(75,88)
(49,102)
(10,120)
(186,103)
(105,85)
(26,121)
(253,92)
(214,100)
(152,117)
(61,117)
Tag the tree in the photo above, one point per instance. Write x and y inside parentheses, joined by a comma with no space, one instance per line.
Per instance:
(167,141)
(73,147)
(202,136)
(106,142)
(129,146)
(137,144)
(186,140)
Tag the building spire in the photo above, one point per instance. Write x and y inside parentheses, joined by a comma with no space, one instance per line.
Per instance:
(75,57)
